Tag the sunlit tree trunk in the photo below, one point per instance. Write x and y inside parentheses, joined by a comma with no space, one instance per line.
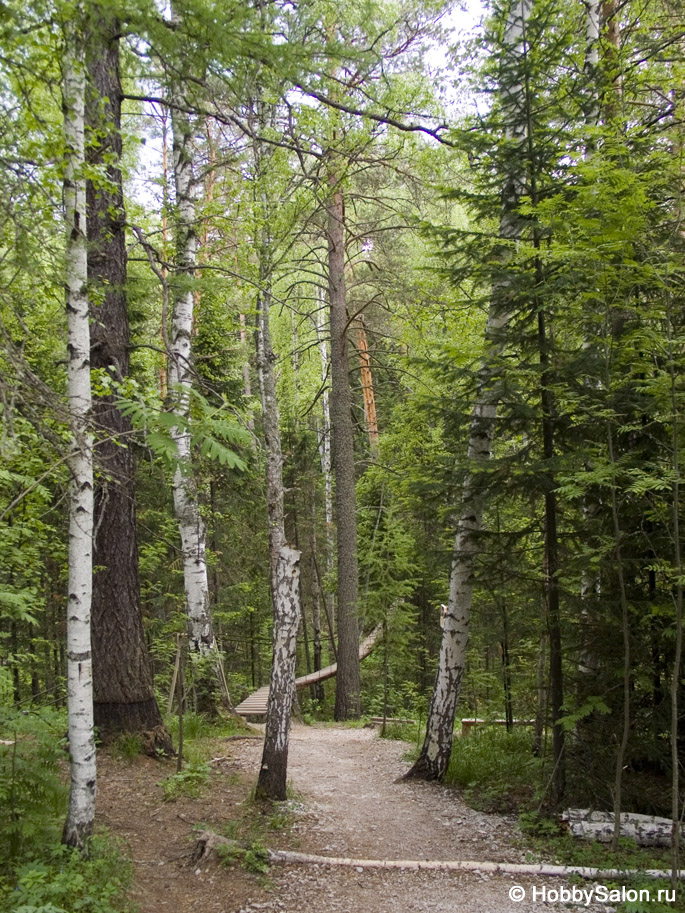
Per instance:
(368,393)
(79,823)
(435,754)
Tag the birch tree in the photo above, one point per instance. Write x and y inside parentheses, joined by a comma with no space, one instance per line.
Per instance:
(186,506)
(284,560)
(437,746)
(79,823)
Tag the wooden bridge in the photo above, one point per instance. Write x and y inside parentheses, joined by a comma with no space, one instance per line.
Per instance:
(256,703)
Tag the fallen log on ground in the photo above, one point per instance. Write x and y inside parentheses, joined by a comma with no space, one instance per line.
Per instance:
(645,830)
(208,842)
(285,857)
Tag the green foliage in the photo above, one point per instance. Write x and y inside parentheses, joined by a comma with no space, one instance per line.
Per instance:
(256,858)
(37,873)
(403,732)
(127,746)
(496,769)
(32,792)
(209,428)
(187,783)
(65,881)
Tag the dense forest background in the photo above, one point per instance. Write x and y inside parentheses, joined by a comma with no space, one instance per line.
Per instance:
(412,284)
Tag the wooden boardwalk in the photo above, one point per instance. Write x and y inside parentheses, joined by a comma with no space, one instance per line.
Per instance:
(256,703)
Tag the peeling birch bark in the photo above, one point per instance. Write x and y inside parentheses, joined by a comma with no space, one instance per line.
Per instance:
(285,857)
(272,781)
(208,842)
(190,523)
(79,822)
(645,830)
(284,560)
(435,754)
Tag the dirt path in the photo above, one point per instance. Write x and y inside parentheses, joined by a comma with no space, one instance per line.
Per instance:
(355,808)
(350,806)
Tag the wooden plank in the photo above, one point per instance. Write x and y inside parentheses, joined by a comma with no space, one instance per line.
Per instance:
(256,703)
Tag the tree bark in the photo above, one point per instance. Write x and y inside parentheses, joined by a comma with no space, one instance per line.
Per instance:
(317,689)
(284,560)
(369,395)
(123,689)
(434,758)
(348,685)
(186,506)
(272,781)
(79,822)
(324,440)
(645,830)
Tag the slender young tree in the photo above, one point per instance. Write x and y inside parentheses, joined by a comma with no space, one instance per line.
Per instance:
(79,823)
(324,441)
(186,505)
(124,694)
(284,560)
(435,753)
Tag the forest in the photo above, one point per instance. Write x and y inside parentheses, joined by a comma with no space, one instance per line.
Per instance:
(325,323)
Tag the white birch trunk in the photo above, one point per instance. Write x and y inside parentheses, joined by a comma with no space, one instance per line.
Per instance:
(284,560)
(190,523)
(272,781)
(435,754)
(645,830)
(79,823)
(209,843)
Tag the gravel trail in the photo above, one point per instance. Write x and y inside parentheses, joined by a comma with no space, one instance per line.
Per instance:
(353,806)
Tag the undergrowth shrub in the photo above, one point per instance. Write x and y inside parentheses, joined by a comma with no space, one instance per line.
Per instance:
(37,873)
(189,782)
(496,769)
(65,881)
(33,795)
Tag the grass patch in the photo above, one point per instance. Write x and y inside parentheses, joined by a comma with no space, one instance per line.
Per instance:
(189,782)
(404,732)
(544,840)
(496,769)
(127,747)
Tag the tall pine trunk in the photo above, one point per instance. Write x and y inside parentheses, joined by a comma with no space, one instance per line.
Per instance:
(79,822)
(348,685)
(123,689)
(435,753)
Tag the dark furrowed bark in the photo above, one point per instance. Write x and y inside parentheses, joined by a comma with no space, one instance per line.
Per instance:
(348,687)
(124,695)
